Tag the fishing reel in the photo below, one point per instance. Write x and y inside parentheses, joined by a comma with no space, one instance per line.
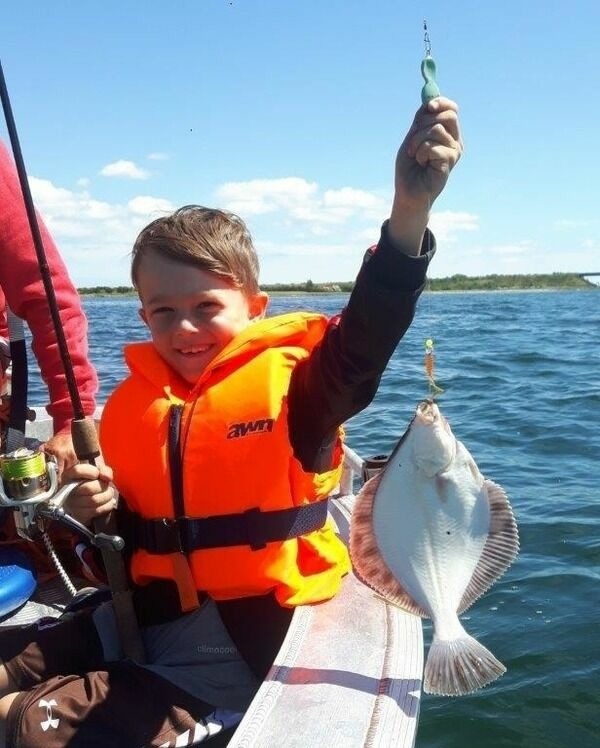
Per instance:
(29,486)
(27,481)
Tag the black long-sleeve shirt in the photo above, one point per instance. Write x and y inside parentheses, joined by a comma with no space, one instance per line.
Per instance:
(342,374)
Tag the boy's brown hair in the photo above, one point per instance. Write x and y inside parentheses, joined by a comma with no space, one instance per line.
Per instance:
(213,240)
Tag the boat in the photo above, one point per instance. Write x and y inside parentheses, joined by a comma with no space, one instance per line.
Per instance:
(348,673)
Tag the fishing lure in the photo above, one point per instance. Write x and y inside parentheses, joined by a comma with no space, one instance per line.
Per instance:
(429,363)
(428,70)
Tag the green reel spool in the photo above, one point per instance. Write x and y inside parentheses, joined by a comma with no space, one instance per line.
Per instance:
(24,474)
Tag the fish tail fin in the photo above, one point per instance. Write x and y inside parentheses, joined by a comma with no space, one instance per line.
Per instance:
(459,666)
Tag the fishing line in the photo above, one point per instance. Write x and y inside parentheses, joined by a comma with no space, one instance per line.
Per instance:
(429,91)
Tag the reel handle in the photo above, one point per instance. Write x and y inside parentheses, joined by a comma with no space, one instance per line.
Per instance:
(100,540)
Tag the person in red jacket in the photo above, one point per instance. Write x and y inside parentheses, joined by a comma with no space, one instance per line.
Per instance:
(22,290)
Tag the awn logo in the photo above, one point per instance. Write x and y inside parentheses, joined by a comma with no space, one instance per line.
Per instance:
(260,426)
(50,721)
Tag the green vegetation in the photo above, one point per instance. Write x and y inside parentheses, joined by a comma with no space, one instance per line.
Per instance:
(107,291)
(453,283)
(308,287)
(509,282)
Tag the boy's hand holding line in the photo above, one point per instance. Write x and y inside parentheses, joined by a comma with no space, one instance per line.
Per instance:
(425,159)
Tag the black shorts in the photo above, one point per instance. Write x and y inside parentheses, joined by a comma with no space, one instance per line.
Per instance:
(69,697)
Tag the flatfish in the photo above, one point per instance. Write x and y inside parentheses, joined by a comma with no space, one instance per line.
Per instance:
(431,535)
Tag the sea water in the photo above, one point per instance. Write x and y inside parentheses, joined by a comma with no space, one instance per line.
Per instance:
(521,379)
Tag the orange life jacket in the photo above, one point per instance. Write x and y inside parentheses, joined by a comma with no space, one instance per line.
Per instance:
(235,456)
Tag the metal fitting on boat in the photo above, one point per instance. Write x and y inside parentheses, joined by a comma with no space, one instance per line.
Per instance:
(372,466)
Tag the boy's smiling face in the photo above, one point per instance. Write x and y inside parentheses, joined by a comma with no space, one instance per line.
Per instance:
(192,314)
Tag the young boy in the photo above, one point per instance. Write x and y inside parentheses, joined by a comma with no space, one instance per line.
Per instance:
(225,442)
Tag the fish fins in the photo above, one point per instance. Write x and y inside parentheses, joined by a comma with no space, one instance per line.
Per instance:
(367,561)
(501,546)
(456,667)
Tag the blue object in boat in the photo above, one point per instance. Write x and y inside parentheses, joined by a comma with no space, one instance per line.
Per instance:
(17,580)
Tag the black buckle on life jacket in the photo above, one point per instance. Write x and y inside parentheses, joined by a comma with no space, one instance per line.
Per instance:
(253,527)
(257,537)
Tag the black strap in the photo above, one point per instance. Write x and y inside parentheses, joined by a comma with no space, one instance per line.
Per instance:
(253,527)
(19,379)
(175,462)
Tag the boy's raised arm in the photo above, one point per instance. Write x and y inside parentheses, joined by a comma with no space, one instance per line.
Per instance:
(429,152)
(342,375)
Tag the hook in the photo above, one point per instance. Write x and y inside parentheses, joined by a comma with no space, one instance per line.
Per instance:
(426,40)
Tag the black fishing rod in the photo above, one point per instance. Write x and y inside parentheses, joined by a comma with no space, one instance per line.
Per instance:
(83,429)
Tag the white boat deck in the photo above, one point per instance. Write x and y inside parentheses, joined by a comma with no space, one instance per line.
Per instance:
(348,673)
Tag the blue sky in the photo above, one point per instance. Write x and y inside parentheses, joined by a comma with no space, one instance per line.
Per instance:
(290,113)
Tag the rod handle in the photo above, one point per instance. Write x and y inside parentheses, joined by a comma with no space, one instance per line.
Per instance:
(85,439)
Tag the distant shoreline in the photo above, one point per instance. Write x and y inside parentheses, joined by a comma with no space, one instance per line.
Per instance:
(484,283)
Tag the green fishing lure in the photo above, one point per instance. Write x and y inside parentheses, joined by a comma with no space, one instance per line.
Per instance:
(428,70)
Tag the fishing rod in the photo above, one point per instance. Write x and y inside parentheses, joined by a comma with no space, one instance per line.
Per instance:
(83,428)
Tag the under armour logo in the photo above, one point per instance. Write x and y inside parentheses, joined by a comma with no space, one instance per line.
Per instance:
(50,722)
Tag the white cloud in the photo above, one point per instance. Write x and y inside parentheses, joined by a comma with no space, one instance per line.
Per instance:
(145,205)
(370,235)
(314,249)
(58,201)
(127,169)
(259,196)
(349,197)
(303,201)
(158,156)
(94,236)
(525,256)
(300,231)
(83,182)
(446,224)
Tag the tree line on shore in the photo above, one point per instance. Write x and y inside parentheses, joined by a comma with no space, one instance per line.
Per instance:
(457,282)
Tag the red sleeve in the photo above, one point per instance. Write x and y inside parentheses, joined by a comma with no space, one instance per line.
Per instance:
(22,285)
